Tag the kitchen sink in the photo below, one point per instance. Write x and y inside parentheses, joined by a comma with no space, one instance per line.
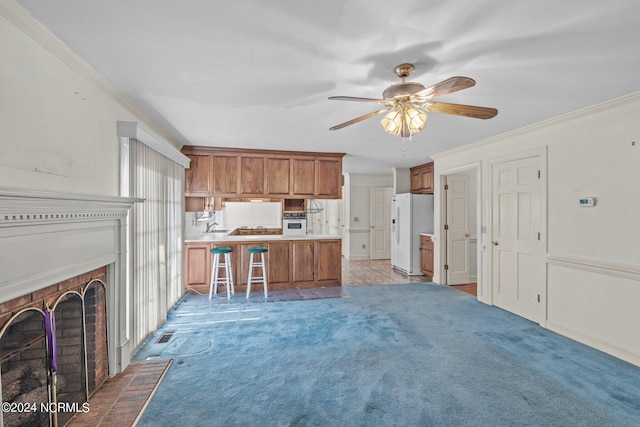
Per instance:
(219,231)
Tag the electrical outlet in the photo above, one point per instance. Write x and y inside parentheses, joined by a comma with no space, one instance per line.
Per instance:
(356,218)
(364,246)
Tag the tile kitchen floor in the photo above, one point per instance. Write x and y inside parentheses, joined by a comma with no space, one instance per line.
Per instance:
(374,272)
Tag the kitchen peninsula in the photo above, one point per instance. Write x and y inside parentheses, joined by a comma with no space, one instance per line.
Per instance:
(293,262)
(222,178)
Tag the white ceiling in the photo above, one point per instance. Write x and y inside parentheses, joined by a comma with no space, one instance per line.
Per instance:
(257,74)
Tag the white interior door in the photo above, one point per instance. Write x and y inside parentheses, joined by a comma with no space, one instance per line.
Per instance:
(458,229)
(380,222)
(334,216)
(316,221)
(518,251)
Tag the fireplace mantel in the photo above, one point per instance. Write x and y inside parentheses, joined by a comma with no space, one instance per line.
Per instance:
(48,237)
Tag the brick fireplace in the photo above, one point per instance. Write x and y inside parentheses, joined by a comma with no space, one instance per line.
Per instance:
(63,258)
(79,306)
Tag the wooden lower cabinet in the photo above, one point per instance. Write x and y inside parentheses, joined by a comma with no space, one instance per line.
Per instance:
(328,262)
(197,266)
(291,264)
(198,261)
(426,255)
(302,265)
(278,263)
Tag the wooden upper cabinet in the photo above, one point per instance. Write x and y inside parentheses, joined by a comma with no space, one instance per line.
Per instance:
(416,182)
(328,178)
(225,174)
(197,178)
(278,176)
(303,177)
(252,175)
(422,179)
(233,172)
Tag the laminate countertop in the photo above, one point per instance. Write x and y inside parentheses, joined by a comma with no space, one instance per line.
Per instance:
(225,237)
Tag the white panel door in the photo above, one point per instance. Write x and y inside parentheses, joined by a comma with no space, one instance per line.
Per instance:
(458,229)
(334,216)
(518,252)
(380,222)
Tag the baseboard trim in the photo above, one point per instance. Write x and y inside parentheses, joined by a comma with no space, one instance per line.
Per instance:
(357,257)
(595,343)
(594,265)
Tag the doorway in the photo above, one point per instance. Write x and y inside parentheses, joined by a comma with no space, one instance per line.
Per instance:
(460,228)
(518,235)
(380,222)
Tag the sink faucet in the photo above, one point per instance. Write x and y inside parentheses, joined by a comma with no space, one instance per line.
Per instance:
(209,225)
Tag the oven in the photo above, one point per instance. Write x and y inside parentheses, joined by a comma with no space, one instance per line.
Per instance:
(294,223)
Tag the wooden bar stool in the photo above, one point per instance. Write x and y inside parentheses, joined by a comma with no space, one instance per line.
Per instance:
(252,265)
(216,280)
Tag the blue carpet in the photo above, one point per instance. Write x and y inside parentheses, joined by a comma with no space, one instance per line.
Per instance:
(397,355)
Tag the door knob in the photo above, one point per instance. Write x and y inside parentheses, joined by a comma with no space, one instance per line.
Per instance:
(467,234)
(495,243)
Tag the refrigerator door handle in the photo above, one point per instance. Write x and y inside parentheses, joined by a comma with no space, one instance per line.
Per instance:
(397,224)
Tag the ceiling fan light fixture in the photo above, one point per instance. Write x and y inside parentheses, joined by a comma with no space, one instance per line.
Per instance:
(404,122)
(406,103)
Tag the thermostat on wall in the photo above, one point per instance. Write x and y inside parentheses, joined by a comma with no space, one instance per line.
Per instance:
(587,202)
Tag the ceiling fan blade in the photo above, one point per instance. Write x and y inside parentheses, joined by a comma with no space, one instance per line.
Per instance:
(452,84)
(354,98)
(461,110)
(358,119)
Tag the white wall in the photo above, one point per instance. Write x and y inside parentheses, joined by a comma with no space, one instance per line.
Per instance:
(58,127)
(58,135)
(357,213)
(593,255)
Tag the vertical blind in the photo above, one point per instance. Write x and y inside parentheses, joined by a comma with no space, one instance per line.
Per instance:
(155,238)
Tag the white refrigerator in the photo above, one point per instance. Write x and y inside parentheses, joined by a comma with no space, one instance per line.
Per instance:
(411,214)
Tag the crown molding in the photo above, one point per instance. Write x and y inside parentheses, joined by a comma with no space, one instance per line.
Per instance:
(45,38)
(554,121)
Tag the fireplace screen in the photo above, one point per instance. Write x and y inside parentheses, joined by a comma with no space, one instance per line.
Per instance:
(53,358)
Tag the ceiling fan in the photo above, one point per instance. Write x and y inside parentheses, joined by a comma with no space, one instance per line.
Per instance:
(406,104)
